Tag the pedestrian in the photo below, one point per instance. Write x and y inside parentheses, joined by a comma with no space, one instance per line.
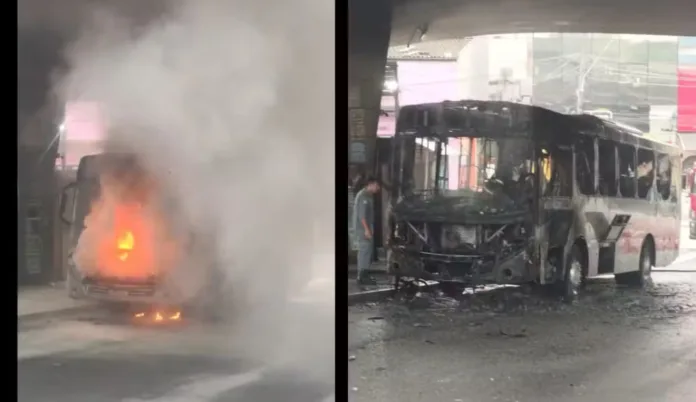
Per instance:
(363,225)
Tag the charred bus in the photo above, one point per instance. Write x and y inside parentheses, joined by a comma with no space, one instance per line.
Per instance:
(505,193)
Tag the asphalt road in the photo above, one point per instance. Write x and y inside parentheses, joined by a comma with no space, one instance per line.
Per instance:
(613,345)
(101,357)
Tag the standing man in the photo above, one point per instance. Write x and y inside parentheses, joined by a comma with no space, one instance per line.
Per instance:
(363,225)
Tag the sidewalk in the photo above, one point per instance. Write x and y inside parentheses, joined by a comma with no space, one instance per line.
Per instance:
(363,294)
(39,301)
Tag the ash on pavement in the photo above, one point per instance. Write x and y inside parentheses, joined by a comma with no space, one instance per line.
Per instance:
(509,345)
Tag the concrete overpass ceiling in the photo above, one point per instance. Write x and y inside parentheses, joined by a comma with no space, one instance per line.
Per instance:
(447,49)
(453,19)
(66,17)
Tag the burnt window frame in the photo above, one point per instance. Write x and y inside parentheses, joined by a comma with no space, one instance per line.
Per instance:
(555,187)
(589,143)
(619,145)
(649,190)
(615,158)
(670,172)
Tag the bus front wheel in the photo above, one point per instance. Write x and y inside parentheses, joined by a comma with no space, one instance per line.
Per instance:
(569,286)
(642,277)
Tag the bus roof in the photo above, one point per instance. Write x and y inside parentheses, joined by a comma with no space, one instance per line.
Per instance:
(499,118)
(91,166)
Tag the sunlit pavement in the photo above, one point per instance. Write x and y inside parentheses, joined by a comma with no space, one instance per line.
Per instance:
(687,245)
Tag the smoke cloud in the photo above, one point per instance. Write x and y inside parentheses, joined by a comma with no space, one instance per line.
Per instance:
(230,104)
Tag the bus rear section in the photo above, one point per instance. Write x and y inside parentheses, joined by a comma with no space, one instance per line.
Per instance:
(128,243)
(625,201)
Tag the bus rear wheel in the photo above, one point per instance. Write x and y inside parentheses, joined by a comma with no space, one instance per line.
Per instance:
(573,276)
(642,277)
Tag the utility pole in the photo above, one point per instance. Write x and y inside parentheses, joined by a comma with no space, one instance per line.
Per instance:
(583,72)
(503,83)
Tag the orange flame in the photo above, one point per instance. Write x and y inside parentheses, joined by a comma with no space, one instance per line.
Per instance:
(125,244)
(128,208)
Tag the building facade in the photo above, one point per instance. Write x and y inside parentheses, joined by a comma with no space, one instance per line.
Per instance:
(648,82)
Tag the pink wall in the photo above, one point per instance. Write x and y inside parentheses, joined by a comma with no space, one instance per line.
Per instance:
(387,124)
(427,81)
(85,129)
(84,122)
(686,100)
(421,82)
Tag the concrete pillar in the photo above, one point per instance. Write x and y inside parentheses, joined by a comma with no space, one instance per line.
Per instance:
(39,58)
(37,226)
(369,29)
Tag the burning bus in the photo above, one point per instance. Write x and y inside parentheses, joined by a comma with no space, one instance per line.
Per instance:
(129,241)
(496,192)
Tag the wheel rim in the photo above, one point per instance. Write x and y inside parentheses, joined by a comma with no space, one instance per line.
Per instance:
(575,276)
(646,268)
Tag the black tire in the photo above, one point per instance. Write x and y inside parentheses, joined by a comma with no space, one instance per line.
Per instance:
(574,273)
(641,278)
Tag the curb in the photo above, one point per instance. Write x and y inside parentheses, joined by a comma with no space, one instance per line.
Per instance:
(377,295)
(370,296)
(61,313)
(352,269)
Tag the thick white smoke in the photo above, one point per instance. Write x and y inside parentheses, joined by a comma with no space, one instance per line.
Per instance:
(232,103)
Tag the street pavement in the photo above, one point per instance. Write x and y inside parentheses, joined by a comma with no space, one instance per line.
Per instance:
(614,344)
(103,356)
(96,355)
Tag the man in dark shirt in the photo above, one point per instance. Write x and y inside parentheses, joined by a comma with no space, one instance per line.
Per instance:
(363,226)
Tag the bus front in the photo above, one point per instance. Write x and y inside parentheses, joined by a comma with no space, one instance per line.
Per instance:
(462,203)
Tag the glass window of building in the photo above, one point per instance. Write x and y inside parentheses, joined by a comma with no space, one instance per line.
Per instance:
(662,71)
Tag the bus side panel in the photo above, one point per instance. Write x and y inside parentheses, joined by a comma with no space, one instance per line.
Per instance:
(644,221)
(593,222)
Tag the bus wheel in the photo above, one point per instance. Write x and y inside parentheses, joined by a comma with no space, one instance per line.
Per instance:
(569,288)
(640,278)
